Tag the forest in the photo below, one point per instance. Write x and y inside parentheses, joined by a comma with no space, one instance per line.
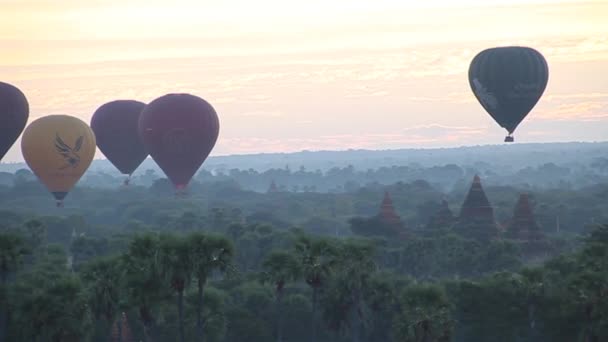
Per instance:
(416,251)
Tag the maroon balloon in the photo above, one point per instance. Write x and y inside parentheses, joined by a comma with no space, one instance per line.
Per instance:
(14,112)
(179,131)
(116,125)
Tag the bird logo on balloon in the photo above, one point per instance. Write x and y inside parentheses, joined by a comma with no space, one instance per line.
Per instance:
(70,154)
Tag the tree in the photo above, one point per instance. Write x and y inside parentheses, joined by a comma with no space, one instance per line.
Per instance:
(102,280)
(280,267)
(176,266)
(591,285)
(424,315)
(49,303)
(345,303)
(84,249)
(11,251)
(317,258)
(36,238)
(143,278)
(208,253)
(12,248)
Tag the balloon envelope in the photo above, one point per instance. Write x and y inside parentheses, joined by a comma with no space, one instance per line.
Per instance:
(179,131)
(14,112)
(58,149)
(115,125)
(508,82)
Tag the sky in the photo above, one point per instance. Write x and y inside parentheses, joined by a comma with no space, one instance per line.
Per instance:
(288,75)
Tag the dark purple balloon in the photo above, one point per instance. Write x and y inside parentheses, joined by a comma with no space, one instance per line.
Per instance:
(14,112)
(179,131)
(115,125)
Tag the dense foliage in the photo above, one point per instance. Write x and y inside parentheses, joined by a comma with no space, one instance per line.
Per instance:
(228,263)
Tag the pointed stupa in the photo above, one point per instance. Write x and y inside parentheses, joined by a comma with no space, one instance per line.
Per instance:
(524,226)
(127,336)
(273,187)
(387,211)
(121,331)
(443,218)
(476,217)
(389,218)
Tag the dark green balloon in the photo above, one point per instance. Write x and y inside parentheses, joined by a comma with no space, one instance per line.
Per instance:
(508,82)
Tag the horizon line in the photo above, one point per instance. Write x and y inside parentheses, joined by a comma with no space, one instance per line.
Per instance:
(370,150)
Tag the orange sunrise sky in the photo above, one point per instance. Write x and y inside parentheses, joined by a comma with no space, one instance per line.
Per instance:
(289,75)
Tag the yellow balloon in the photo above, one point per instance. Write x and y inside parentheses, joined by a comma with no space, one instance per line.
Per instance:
(58,149)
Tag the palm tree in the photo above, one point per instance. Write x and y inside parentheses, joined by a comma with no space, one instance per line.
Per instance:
(103,280)
(143,278)
(356,266)
(36,238)
(317,259)
(280,267)
(208,253)
(50,310)
(424,315)
(176,267)
(11,250)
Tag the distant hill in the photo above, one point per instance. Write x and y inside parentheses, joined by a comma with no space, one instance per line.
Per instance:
(510,156)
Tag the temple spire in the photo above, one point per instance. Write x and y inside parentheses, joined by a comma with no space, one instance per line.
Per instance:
(121,331)
(524,226)
(443,218)
(476,217)
(387,210)
(273,187)
(389,216)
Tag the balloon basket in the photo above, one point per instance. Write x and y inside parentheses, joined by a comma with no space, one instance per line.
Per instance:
(180,192)
(509,138)
(59,204)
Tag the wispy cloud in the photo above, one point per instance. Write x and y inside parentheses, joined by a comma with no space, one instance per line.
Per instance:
(579,111)
(267,113)
(360,69)
(424,135)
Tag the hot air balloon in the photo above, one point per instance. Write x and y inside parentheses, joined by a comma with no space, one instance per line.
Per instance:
(14,112)
(179,131)
(508,82)
(58,149)
(115,125)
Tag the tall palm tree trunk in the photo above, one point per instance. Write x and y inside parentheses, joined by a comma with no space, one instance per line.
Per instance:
(199,311)
(313,327)
(356,327)
(3,311)
(3,324)
(180,309)
(148,323)
(279,316)
(120,332)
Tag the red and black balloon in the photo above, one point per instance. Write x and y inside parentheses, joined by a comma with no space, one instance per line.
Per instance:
(179,131)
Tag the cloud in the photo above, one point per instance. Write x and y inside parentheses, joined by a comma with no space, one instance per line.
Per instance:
(580,111)
(437,130)
(422,136)
(591,106)
(560,97)
(263,113)
(463,97)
